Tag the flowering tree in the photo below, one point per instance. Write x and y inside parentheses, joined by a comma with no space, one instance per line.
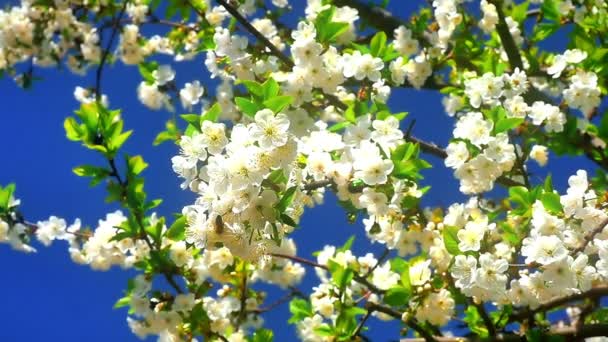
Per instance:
(301,110)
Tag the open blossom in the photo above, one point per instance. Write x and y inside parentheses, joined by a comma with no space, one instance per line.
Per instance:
(420,272)
(550,115)
(269,130)
(458,154)
(583,92)
(540,154)
(470,237)
(163,75)
(543,249)
(560,62)
(151,96)
(370,166)
(190,94)
(362,66)
(474,127)
(404,43)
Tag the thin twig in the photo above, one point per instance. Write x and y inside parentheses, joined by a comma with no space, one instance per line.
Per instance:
(589,237)
(106,52)
(596,292)
(361,324)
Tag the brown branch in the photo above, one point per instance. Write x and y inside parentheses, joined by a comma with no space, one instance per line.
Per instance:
(487,321)
(589,237)
(426,147)
(411,322)
(374,15)
(357,277)
(287,297)
(506,38)
(361,324)
(106,52)
(594,293)
(317,184)
(259,36)
(569,332)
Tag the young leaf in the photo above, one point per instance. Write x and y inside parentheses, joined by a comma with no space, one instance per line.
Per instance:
(378,44)
(286,199)
(450,239)
(246,106)
(278,103)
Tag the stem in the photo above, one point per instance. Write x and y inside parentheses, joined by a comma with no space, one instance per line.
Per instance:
(259,36)
(589,237)
(411,322)
(487,321)
(287,297)
(357,277)
(506,38)
(596,292)
(106,51)
(361,324)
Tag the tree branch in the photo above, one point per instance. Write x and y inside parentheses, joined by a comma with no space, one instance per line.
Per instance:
(374,15)
(589,237)
(506,38)
(106,52)
(357,277)
(596,292)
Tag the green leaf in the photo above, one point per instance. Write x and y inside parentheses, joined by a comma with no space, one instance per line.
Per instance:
(378,44)
(276,237)
(397,296)
(551,202)
(300,309)
(327,30)
(519,12)
(548,186)
(213,113)
(341,276)
(278,103)
(122,235)
(263,335)
(288,220)
(324,330)
(519,195)
(450,239)
(254,87)
(475,322)
(286,199)
(177,231)
(193,119)
(73,131)
(146,69)
(271,88)
(398,265)
(122,302)
(404,151)
(582,40)
(349,114)
(6,194)
(246,106)
(542,31)
(347,245)
(136,165)
(96,173)
(550,9)
(506,124)
(339,126)
(153,204)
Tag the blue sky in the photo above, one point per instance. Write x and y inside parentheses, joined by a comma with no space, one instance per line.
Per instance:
(47,297)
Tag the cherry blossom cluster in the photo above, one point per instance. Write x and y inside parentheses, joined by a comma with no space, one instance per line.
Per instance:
(479,155)
(46,36)
(556,256)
